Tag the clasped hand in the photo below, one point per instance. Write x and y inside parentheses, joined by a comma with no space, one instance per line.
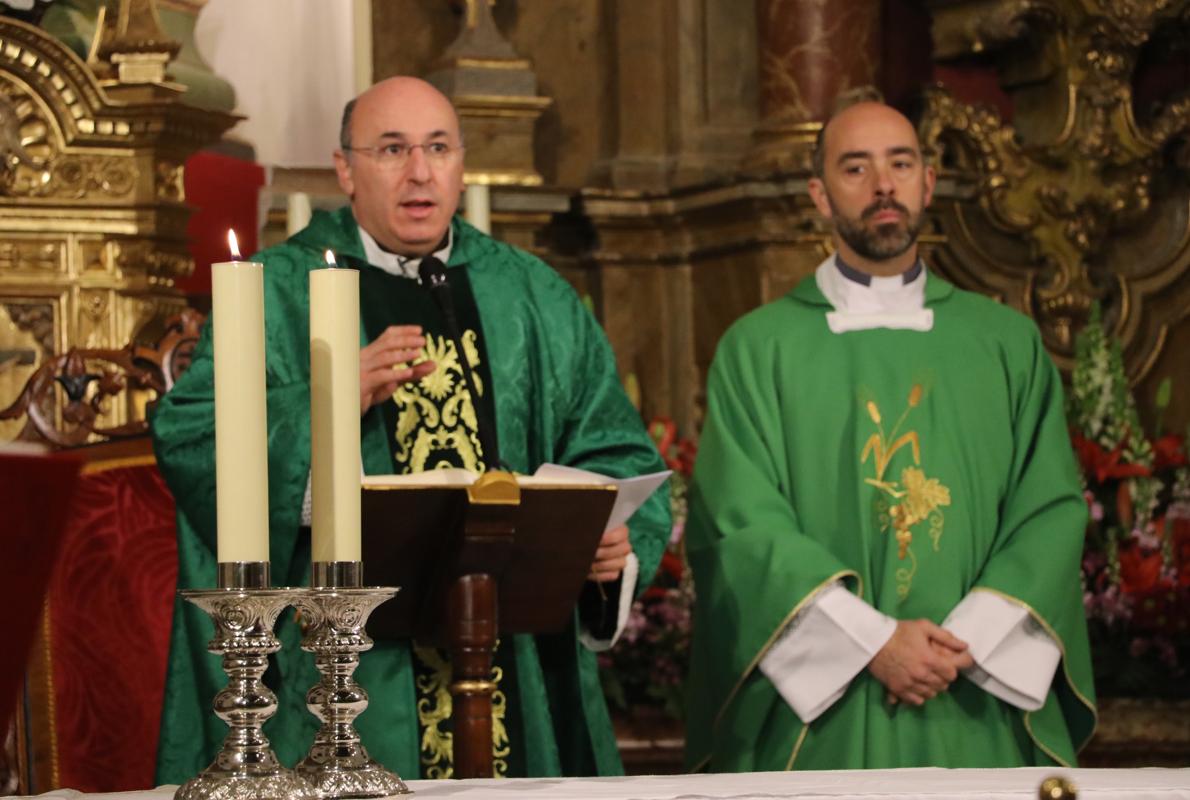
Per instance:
(919,661)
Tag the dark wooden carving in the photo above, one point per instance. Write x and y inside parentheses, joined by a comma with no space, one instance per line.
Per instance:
(84,383)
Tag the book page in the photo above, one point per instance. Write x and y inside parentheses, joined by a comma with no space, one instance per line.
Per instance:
(631,493)
(431,477)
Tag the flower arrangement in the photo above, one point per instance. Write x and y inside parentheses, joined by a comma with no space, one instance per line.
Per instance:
(1136,562)
(647,667)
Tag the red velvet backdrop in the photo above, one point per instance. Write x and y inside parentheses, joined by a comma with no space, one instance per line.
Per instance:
(111,600)
(225,193)
(35,496)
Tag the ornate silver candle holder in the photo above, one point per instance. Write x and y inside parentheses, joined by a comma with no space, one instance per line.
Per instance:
(337,765)
(244,612)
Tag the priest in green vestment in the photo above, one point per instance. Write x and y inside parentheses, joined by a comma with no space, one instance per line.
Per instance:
(545,375)
(885,520)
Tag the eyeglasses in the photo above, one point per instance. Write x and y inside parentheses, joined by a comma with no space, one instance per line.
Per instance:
(395,155)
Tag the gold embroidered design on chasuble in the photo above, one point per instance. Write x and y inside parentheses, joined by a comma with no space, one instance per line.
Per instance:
(436,424)
(437,428)
(433,676)
(910,501)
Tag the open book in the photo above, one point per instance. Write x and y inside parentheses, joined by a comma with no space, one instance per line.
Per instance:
(631,493)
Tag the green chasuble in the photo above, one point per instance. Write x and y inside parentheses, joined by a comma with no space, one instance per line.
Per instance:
(916,467)
(547,374)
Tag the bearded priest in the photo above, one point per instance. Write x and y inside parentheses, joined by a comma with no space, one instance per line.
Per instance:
(885,521)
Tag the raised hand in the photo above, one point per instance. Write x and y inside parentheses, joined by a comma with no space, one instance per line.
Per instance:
(384,364)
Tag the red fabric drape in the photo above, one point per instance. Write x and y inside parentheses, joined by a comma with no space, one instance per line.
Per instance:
(224,192)
(111,600)
(34,499)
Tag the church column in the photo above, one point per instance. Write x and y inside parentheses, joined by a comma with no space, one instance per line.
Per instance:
(809,52)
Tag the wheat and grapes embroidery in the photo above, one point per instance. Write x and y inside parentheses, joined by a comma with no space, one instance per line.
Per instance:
(914,499)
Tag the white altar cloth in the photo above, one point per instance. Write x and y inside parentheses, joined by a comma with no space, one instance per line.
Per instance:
(900,784)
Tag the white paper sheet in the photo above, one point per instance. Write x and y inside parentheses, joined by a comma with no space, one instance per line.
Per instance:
(631,493)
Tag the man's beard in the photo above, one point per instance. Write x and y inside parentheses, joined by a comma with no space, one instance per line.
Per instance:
(882,242)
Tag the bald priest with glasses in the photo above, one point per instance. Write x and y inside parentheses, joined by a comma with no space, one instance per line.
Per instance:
(545,374)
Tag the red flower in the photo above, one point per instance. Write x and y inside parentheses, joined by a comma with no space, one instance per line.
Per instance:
(1139,572)
(1101,464)
(1169,451)
(663,432)
(671,565)
(677,453)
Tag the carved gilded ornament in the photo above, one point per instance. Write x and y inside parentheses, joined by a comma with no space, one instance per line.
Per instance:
(92,203)
(130,45)
(90,394)
(36,165)
(26,337)
(31,256)
(1090,182)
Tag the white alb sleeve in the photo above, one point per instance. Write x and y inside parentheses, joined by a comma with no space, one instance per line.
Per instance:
(1015,658)
(627,584)
(823,648)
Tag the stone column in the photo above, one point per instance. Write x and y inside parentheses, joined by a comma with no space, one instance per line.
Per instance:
(809,51)
(495,92)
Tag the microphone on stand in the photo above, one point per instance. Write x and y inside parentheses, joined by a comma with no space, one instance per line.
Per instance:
(433,276)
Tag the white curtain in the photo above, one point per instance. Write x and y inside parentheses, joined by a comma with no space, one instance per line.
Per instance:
(292,63)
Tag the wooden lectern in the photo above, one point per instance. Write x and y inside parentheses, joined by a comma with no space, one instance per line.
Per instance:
(475,562)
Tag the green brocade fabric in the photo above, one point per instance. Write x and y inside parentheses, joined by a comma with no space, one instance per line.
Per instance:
(914,466)
(557,399)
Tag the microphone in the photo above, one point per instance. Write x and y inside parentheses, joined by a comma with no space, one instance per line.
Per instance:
(433,276)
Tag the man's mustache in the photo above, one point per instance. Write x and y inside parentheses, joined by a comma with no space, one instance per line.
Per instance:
(883,205)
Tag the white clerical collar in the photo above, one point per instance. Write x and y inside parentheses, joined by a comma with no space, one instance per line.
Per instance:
(401,266)
(883,303)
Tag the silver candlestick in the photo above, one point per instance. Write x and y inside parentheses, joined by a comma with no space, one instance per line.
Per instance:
(244,612)
(335,612)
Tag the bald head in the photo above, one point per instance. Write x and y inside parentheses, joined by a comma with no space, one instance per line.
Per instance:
(401,163)
(400,89)
(862,114)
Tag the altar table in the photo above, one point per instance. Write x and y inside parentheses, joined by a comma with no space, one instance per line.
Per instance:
(902,784)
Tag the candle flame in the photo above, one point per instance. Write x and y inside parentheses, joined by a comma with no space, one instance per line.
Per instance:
(330,259)
(233,245)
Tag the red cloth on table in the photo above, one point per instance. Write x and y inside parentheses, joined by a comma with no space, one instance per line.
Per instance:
(35,493)
(111,600)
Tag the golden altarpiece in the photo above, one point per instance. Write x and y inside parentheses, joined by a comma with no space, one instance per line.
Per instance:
(92,204)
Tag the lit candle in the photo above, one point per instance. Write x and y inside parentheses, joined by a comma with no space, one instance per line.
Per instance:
(241,438)
(334,413)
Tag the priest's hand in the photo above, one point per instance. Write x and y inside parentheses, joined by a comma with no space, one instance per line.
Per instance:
(919,661)
(385,364)
(612,555)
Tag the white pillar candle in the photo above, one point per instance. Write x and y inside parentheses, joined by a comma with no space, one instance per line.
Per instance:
(297,212)
(478,206)
(334,414)
(241,436)
(361,36)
